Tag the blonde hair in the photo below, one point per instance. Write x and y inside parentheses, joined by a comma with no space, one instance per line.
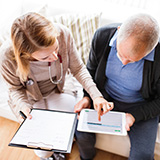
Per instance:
(29,33)
(143,27)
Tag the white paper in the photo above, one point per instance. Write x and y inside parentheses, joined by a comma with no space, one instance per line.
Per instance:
(46,129)
(111,122)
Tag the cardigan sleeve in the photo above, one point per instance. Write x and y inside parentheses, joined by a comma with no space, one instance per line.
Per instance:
(17,93)
(80,72)
(150,90)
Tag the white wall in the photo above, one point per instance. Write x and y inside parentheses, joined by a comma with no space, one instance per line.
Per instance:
(112,10)
(119,10)
(9,10)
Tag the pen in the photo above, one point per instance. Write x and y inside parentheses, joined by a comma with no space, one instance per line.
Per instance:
(22,114)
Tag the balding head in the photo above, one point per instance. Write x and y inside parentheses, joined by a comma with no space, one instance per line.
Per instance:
(142,30)
(143,27)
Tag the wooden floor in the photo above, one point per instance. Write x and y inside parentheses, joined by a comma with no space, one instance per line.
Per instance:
(7,130)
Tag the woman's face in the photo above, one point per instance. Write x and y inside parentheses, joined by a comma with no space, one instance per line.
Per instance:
(48,54)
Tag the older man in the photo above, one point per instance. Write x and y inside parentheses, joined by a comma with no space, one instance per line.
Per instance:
(124,62)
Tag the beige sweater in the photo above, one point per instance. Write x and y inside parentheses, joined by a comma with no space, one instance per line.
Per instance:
(19,91)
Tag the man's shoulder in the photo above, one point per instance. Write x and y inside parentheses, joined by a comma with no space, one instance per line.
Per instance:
(157,52)
(157,48)
(103,34)
(109,27)
(106,32)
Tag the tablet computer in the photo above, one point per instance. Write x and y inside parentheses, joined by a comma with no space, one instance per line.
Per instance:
(111,123)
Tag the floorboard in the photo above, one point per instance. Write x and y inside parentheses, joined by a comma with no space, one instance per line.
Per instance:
(7,130)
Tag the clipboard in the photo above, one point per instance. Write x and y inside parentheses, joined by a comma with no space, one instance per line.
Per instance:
(48,130)
(111,123)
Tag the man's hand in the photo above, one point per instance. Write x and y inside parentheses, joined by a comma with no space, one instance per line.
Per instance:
(129,121)
(102,106)
(26,111)
(84,103)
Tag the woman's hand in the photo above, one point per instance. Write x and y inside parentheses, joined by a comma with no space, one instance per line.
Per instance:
(84,103)
(26,111)
(129,121)
(102,106)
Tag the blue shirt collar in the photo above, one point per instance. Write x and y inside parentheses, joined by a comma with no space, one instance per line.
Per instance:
(150,56)
(113,41)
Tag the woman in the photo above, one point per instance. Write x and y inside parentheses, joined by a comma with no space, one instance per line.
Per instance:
(35,64)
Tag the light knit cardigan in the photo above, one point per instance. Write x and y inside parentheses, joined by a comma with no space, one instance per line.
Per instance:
(19,91)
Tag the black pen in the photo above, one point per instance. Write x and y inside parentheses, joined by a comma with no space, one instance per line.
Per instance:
(22,114)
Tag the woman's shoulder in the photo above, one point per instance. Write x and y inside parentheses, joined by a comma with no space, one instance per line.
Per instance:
(61,28)
(65,34)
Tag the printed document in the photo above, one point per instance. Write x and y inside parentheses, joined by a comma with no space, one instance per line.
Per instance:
(48,130)
(111,122)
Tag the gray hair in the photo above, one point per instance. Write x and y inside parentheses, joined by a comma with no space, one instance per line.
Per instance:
(143,27)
